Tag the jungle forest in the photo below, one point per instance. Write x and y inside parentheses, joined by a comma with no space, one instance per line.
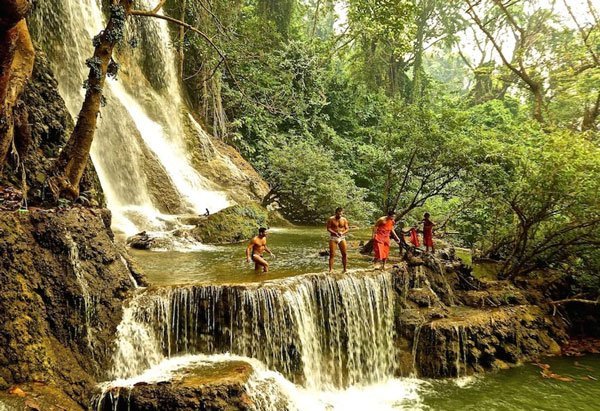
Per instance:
(299,205)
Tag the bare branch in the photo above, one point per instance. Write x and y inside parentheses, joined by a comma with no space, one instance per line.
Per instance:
(575,300)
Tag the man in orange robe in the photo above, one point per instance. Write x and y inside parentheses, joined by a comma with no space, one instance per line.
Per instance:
(428,233)
(383,229)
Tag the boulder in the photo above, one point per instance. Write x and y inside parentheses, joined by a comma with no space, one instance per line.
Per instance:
(62,286)
(231,225)
(220,386)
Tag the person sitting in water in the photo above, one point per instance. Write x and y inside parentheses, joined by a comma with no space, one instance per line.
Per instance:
(257,246)
(383,229)
(337,227)
(428,233)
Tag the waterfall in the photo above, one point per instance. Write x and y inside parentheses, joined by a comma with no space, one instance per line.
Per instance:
(316,330)
(140,150)
(88,302)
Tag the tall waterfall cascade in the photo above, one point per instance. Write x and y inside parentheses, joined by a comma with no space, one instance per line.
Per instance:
(140,148)
(320,332)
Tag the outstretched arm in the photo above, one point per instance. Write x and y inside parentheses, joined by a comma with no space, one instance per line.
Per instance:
(269,251)
(393,232)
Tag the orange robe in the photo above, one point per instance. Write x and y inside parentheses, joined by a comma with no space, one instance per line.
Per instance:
(414,237)
(428,234)
(381,245)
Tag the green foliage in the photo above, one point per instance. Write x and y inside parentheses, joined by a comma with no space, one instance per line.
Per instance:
(390,111)
(309,183)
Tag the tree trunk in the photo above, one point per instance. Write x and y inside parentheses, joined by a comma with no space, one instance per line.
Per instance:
(181,41)
(417,83)
(590,115)
(72,161)
(16,64)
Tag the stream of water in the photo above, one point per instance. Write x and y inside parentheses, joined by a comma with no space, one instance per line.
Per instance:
(315,342)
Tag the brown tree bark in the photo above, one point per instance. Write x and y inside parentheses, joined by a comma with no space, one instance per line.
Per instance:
(72,161)
(16,64)
(590,115)
(535,86)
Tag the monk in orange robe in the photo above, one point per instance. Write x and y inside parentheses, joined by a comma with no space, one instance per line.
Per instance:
(383,229)
(414,236)
(428,233)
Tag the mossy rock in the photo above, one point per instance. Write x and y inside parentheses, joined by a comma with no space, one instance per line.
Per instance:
(232,225)
(277,220)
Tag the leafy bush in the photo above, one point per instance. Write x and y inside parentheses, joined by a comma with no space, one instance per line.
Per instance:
(309,183)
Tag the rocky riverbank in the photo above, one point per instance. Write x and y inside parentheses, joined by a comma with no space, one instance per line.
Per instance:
(63,284)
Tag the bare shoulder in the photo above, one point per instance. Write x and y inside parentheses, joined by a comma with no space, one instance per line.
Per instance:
(344,220)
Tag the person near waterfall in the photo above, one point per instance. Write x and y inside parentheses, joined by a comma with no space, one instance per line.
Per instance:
(428,233)
(255,250)
(337,227)
(382,230)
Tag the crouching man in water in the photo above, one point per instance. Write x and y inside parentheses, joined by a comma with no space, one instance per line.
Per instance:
(258,245)
(337,227)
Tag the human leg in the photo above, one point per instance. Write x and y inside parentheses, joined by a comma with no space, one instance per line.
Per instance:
(260,262)
(331,254)
(343,250)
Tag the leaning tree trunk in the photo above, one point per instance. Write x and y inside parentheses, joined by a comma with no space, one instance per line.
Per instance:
(71,163)
(16,65)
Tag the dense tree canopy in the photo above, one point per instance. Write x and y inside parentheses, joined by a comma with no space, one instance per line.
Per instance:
(484,113)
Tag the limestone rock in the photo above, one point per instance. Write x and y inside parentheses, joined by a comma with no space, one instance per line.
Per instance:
(62,286)
(231,225)
(218,387)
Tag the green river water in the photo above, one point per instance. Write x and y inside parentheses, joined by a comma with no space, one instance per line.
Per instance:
(297,252)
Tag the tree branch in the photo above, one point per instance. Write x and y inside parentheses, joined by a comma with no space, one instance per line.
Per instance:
(575,300)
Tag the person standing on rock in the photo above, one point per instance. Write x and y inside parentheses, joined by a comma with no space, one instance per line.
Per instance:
(256,248)
(428,233)
(337,227)
(383,229)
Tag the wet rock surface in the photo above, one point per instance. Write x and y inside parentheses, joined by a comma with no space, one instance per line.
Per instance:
(49,125)
(456,324)
(216,387)
(62,287)
(231,225)
(470,340)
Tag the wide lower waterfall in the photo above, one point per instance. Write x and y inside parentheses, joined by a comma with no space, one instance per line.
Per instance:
(140,151)
(319,331)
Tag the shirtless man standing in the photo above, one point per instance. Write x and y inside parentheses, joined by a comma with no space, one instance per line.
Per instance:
(337,227)
(258,246)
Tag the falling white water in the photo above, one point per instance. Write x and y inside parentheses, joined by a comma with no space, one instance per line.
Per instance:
(319,331)
(415,346)
(126,264)
(125,163)
(88,302)
(138,345)
(270,391)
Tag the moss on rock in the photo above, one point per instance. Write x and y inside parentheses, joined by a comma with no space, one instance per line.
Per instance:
(231,225)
